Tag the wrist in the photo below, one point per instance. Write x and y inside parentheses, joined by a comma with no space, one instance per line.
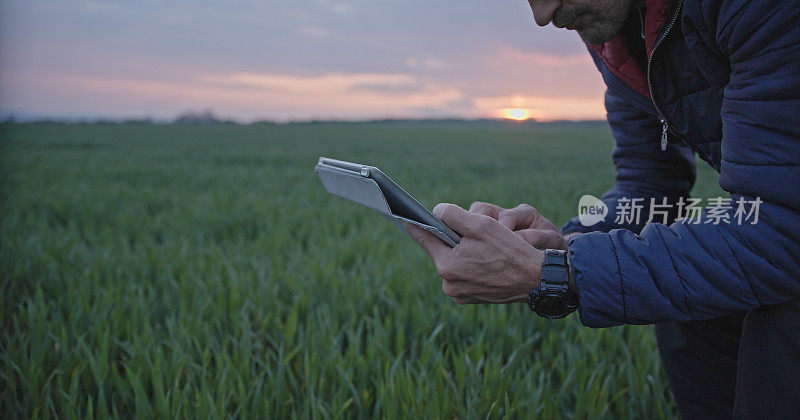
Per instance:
(572,288)
(536,270)
(551,298)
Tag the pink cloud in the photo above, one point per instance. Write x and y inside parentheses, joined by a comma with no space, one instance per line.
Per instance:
(260,95)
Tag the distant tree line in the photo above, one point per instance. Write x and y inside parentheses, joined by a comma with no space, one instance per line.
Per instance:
(208,117)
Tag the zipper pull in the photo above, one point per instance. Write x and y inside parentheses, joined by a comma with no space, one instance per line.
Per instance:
(664,128)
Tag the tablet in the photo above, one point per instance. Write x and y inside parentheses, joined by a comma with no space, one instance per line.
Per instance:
(370,187)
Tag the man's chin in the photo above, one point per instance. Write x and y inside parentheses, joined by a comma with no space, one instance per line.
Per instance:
(597,35)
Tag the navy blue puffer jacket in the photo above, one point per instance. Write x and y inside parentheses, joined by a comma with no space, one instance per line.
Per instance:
(723,79)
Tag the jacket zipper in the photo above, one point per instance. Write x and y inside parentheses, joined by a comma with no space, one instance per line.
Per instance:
(664,123)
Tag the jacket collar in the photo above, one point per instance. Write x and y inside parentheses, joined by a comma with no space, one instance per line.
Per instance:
(616,53)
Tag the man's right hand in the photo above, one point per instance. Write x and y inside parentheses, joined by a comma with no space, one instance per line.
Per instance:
(526,222)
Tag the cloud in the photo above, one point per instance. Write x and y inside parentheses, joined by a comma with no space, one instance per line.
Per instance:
(505,71)
(512,56)
(249,96)
(430,63)
(337,7)
(259,95)
(326,83)
(335,94)
(311,31)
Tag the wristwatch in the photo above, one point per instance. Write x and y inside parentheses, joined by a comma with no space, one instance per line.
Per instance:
(552,299)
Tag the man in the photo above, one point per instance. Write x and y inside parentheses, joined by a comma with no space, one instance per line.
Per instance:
(716,78)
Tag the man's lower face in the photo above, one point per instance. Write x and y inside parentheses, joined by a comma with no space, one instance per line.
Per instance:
(596,21)
(599,32)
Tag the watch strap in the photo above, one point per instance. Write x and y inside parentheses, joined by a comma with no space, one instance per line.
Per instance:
(554,283)
(555,270)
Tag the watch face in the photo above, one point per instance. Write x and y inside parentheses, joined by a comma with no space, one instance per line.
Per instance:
(552,306)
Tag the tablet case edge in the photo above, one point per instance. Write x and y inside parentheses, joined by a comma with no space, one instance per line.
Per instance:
(365,191)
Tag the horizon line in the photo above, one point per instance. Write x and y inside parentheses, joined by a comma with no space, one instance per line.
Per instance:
(183,120)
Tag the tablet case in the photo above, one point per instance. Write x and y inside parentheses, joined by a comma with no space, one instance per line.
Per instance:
(365,191)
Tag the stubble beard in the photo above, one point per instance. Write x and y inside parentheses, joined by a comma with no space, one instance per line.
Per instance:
(607,18)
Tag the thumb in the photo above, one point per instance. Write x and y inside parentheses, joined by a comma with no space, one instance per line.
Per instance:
(437,209)
(433,246)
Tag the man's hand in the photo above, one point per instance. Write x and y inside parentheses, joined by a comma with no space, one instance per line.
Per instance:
(526,222)
(490,264)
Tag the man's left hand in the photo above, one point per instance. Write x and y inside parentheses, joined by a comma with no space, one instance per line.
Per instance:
(491,264)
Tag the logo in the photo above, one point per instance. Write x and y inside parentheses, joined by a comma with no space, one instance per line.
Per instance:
(591,210)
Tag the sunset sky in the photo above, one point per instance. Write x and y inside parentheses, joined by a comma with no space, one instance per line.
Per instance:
(290,60)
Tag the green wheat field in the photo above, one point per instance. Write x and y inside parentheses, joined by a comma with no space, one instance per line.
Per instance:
(203,272)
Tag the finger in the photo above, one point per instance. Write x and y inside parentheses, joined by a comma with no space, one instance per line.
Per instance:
(465,223)
(486,209)
(519,217)
(466,301)
(433,246)
(542,239)
(456,291)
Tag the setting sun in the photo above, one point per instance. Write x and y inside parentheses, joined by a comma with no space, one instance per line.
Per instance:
(518,114)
